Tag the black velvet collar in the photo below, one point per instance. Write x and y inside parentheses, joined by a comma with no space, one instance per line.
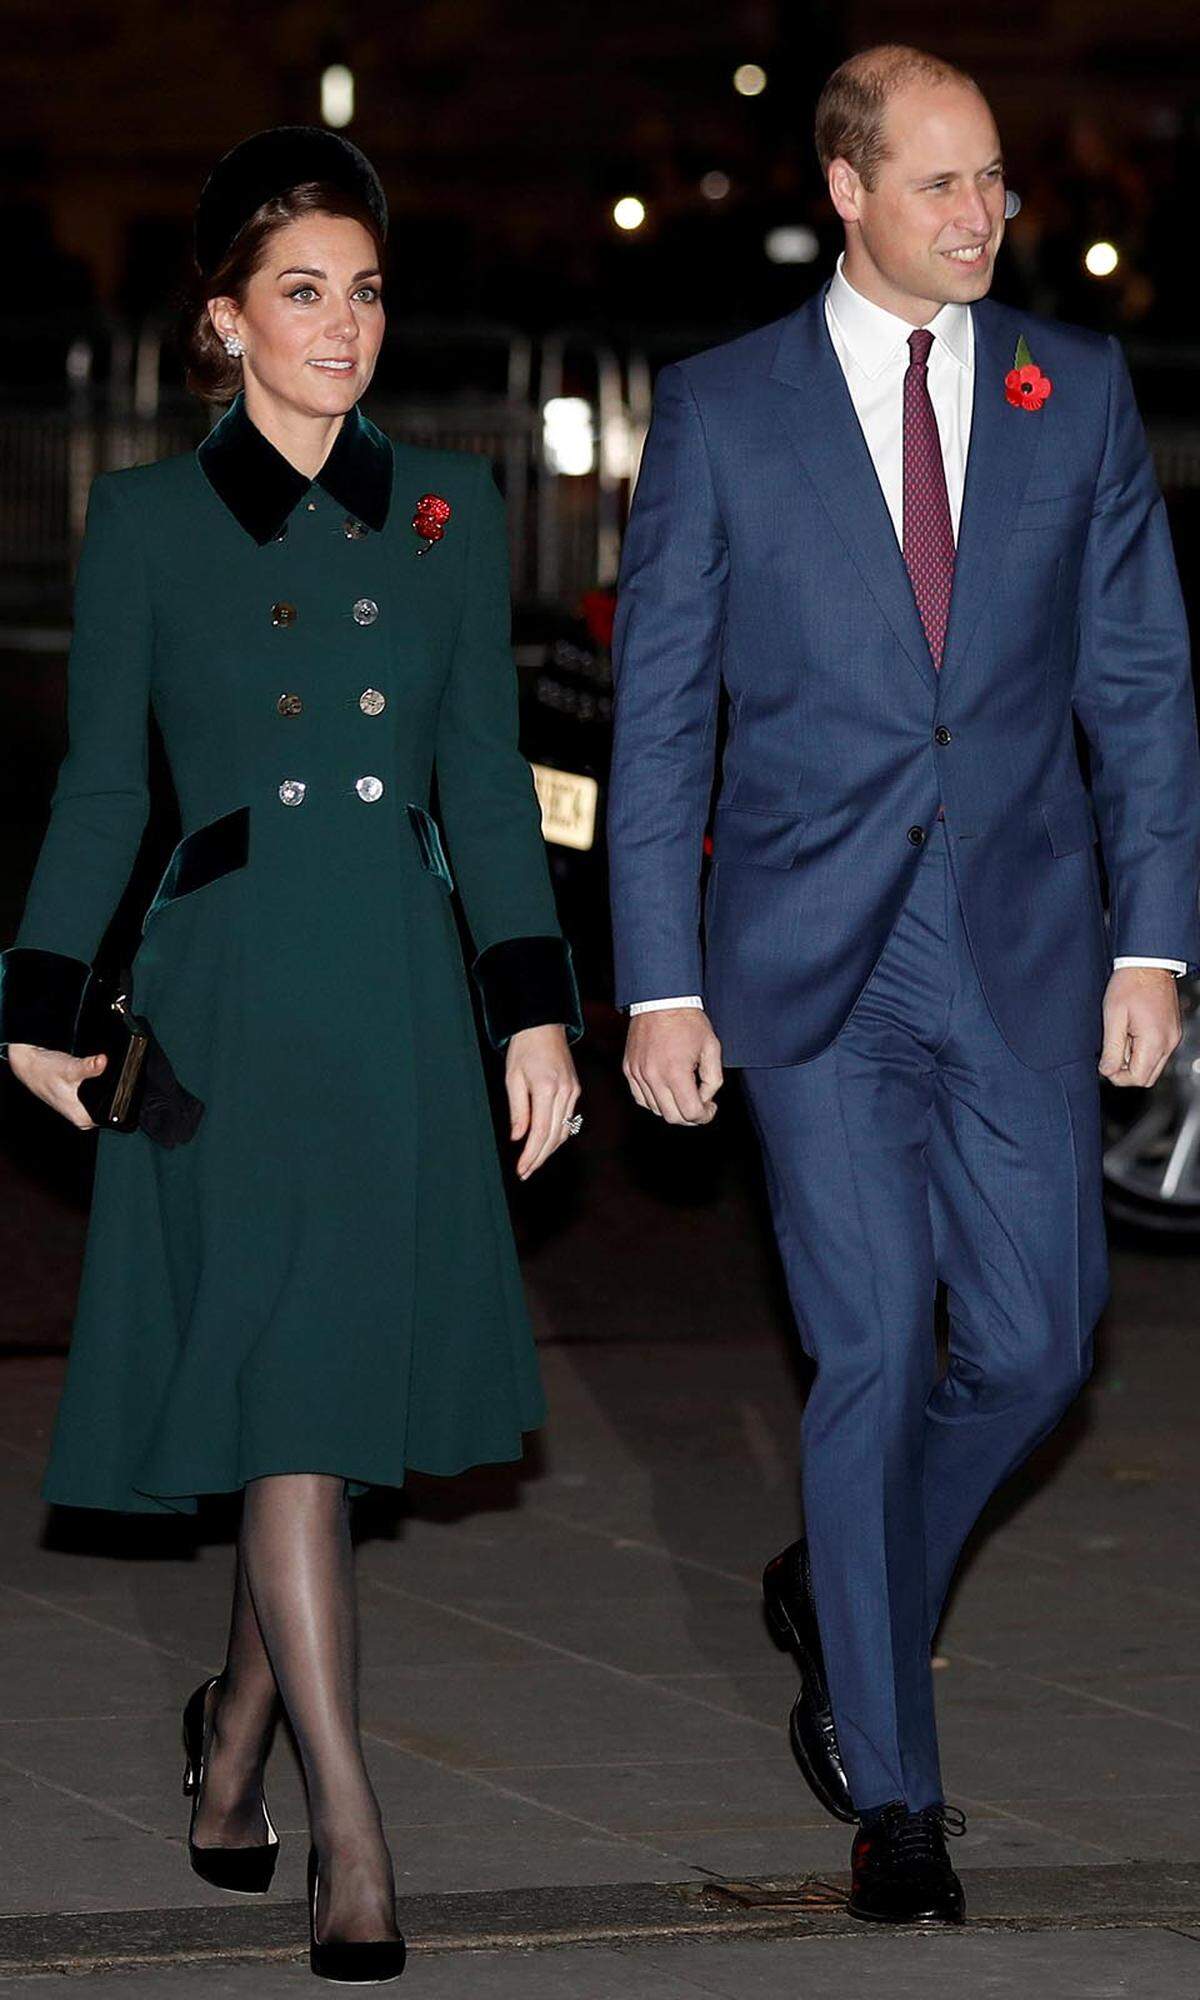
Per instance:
(261,487)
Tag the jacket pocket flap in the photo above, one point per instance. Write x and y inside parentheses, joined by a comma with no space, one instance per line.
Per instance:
(1070,823)
(757,837)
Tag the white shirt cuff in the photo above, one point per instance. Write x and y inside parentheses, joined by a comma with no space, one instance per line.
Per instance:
(1176,965)
(657,1006)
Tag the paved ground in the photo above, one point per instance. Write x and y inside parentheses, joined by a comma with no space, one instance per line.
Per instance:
(567,1682)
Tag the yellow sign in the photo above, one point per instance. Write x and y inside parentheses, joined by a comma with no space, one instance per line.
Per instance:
(568,804)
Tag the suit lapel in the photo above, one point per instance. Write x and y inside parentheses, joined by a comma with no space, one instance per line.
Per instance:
(1003,445)
(825,431)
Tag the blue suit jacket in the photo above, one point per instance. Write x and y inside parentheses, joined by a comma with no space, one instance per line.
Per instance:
(760,556)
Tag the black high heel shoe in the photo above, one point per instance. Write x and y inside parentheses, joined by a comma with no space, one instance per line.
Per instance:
(366,1964)
(245,1870)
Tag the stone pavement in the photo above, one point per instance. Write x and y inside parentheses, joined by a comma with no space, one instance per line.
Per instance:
(567,1684)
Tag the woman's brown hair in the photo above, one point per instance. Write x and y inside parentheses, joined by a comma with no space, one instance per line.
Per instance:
(211,373)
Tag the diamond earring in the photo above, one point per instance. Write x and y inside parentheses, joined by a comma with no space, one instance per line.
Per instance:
(233,345)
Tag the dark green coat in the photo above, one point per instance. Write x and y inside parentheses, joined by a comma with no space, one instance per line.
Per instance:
(324,1278)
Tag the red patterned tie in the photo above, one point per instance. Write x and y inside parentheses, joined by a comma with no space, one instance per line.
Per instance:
(928,530)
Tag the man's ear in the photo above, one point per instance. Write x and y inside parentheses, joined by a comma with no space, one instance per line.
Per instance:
(845,189)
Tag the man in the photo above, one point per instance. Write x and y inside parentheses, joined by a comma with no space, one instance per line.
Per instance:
(914,535)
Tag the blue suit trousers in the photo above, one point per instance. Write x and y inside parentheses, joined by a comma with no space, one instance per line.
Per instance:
(918,1147)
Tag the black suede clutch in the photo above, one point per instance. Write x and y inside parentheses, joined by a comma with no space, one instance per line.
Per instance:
(137,1090)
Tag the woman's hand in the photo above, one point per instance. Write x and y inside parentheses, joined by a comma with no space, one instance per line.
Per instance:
(543,1091)
(55,1077)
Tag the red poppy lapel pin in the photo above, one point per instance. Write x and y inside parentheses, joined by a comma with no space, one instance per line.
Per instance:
(1025,385)
(430,520)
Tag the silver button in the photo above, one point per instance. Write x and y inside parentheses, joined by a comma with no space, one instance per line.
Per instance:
(369,789)
(292,791)
(372,702)
(283,614)
(312,506)
(366,611)
(352,529)
(289,704)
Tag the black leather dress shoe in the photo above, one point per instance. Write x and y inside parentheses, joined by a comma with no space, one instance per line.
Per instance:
(900,1868)
(792,1617)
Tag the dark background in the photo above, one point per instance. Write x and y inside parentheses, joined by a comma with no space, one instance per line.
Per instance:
(504,133)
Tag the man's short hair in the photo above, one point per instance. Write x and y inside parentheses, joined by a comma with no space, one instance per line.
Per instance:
(851,107)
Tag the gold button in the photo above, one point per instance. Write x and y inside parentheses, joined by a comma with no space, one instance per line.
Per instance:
(289,704)
(372,702)
(292,791)
(369,789)
(366,611)
(283,614)
(352,529)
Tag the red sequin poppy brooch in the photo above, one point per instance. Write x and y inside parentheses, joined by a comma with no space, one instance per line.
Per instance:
(430,520)
(1025,385)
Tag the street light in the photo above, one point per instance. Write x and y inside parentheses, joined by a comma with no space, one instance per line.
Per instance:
(1101,259)
(794,243)
(715,186)
(629,212)
(337,94)
(749,80)
(568,435)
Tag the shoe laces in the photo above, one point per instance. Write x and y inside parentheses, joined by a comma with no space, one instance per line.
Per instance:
(919,1837)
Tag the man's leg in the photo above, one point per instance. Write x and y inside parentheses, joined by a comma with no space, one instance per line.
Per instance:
(845,1138)
(1015,1172)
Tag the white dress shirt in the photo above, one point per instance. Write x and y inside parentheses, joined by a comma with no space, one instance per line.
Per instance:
(871,345)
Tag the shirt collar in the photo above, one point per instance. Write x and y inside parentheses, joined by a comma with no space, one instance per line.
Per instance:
(261,487)
(874,336)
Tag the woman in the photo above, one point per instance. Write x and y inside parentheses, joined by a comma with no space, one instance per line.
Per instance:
(319,1289)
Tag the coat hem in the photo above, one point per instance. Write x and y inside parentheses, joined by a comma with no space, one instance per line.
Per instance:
(184,1500)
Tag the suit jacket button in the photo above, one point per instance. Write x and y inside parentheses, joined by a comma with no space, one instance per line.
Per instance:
(372,702)
(942,735)
(292,791)
(917,835)
(369,789)
(366,611)
(289,704)
(283,614)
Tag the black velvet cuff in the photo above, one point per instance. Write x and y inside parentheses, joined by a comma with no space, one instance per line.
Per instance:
(40,996)
(528,982)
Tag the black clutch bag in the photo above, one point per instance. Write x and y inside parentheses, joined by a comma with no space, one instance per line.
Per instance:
(137,1090)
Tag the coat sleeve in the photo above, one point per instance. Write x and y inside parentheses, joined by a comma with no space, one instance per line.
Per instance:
(667,669)
(101,799)
(1133,695)
(523,967)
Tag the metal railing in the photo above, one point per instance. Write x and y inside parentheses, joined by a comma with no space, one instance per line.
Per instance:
(565,525)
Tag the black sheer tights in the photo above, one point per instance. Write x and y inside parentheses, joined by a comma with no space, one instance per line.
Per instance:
(294,1632)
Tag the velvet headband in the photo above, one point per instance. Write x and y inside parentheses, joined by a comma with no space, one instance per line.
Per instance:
(267,165)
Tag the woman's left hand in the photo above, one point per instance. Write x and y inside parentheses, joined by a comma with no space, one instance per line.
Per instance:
(543,1091)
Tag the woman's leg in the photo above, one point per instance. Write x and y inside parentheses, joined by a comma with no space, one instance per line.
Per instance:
(239,1714)
(300,1570)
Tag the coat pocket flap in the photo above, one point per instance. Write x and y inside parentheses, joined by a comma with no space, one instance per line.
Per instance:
(1070,823)
(429,840)
(203,856)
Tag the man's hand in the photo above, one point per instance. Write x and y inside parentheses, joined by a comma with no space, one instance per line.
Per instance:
(673,1063)
(1142,1028)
